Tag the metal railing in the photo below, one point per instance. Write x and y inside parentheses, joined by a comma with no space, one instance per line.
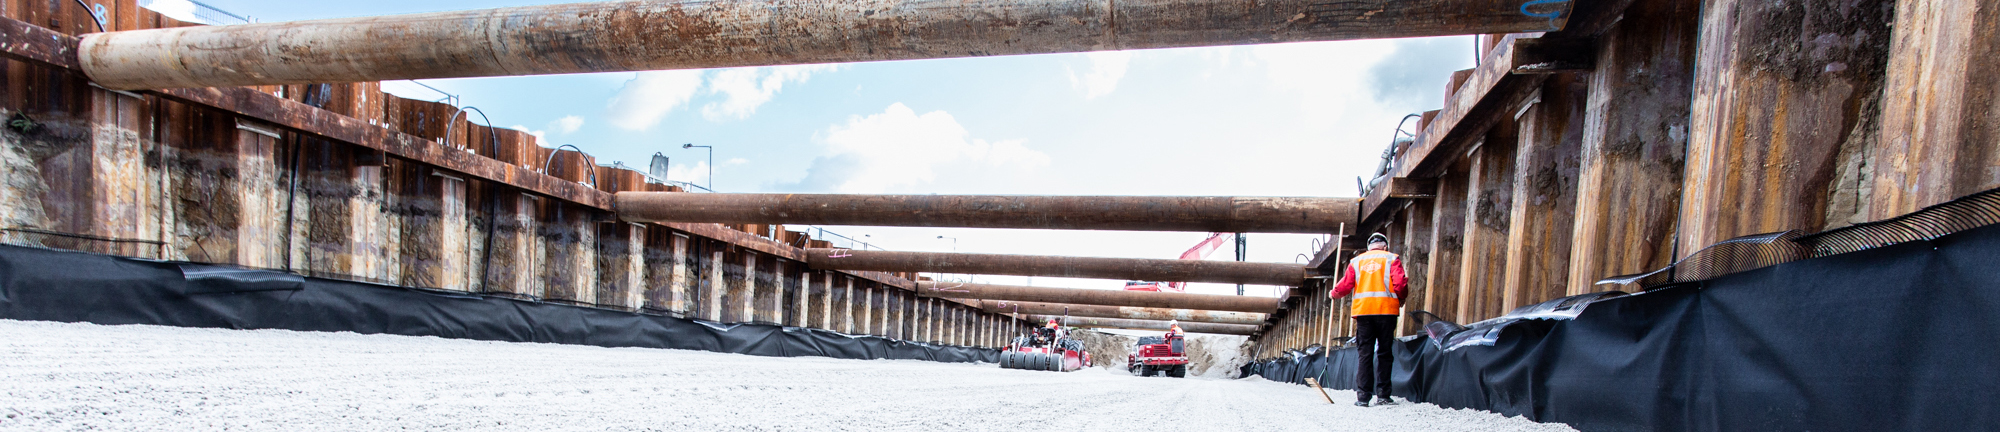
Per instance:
(852,243)
(691,187)
(202,12)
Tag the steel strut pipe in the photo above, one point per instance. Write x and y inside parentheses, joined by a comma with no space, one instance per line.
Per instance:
(692,34)
(1309,215)
(1132,324)
(1122,312)
(1165,270)
(1145,299)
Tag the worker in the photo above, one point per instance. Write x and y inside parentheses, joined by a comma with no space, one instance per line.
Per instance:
(1046,333)
(1375,278)
(1174,328)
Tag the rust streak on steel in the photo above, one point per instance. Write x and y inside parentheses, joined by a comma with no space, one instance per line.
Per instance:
(1170,270)
(1132,324)
(1122,312)
(1310,215)
(1230,303)
(692,34)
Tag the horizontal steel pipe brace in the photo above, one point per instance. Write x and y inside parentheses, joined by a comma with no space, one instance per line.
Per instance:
(1131,324)
(1121,312)
(1098,297)
(1128,213)
(1166,270)
(693,34)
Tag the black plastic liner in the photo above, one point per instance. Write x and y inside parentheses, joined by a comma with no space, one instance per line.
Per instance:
(1892,338)
(50,285)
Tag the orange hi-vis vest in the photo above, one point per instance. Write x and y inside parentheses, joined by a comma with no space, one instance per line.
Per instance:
(1373,293)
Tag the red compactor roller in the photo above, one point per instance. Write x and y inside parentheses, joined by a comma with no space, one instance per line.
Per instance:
(1048,349)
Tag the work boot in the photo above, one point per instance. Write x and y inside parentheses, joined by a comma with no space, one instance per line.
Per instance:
(1385,400)
(1361,403)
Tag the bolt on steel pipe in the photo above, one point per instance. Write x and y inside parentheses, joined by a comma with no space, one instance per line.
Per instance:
(1148,299)
(1132,324)
(692,34)
(1165,270)
(1121,312)
(1127,213)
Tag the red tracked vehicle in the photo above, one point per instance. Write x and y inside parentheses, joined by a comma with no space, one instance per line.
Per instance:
(1163,355)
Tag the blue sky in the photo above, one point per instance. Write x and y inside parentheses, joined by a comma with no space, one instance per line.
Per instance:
(1299,119)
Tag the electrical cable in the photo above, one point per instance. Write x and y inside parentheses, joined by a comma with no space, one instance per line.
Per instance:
(1399,126)
(552,160)
(492,139)
(93,15)
(492,193)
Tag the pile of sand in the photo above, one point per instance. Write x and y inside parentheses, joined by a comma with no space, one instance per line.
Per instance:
(1106,350)
(1217,356)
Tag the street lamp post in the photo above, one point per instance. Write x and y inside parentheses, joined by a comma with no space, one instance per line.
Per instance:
(1242,251)
(954,248)
(711,163)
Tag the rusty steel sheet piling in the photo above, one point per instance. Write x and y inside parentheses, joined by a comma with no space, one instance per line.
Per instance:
(1309,215)
(1133,324)
(1166,270)
(1122,312)
(1147,299)
(692,34)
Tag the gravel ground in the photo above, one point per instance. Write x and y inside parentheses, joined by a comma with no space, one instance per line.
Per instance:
(59,376)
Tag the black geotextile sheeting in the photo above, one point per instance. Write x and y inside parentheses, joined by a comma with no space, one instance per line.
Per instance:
(49,285)
(1893,338)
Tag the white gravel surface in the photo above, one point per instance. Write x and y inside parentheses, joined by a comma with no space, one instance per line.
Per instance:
(58,376)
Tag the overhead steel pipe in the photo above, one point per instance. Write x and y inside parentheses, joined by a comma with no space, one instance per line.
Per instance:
(1147,299)
(1129,213)
(1121,312)
(1165,270)
(691,34)
(1132,324)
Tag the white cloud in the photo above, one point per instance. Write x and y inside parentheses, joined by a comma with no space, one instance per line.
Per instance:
(899,149)
(745,89)
(1324,75)
(696,174)
(650,96)
(540,136)
(1219,60)
(1107,68)
(569,124)
(699,172)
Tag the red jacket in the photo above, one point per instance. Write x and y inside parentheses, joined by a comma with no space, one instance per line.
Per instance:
(1400,282)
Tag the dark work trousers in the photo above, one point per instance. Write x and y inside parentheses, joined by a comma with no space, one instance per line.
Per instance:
(1373,335)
